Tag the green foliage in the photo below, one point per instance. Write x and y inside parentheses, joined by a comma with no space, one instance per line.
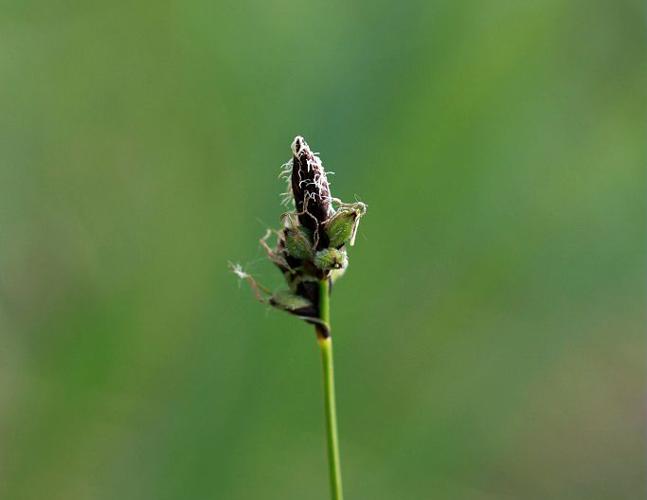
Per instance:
(499,353)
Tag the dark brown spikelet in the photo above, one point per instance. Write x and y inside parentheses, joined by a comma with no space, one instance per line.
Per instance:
(309,187)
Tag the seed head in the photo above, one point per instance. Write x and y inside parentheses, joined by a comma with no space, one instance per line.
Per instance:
(311,244)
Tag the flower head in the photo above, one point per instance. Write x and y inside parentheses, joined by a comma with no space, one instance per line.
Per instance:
(311,244)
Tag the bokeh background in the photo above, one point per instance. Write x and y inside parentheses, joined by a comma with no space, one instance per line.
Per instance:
(490,331)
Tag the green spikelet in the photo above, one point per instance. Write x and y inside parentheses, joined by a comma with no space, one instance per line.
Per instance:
(341,228)
(331,258)
(297,243)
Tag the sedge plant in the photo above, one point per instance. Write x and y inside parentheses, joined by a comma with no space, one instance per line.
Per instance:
(310,251)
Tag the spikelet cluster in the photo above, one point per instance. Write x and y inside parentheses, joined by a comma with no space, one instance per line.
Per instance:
(311,244)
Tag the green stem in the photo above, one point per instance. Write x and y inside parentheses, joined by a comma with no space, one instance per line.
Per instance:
(325,344)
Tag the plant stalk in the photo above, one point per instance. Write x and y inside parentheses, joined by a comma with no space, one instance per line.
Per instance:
(325,344)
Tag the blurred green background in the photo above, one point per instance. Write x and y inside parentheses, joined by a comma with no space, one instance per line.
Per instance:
(490,331)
